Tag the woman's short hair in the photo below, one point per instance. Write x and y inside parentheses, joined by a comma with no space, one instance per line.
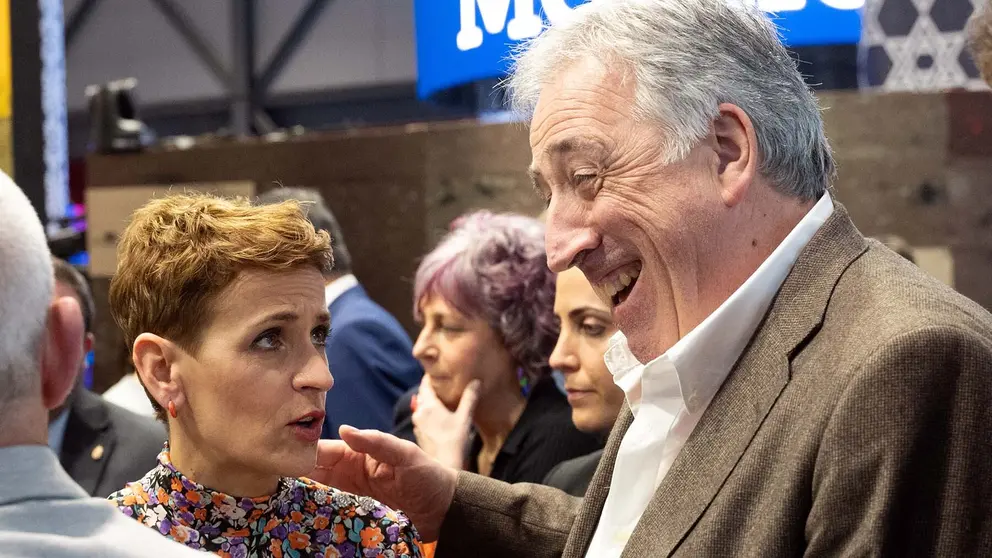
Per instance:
(494,267)
(180,251)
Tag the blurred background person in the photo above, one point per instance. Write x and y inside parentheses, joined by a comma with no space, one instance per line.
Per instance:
(99,444)
(485,298)
(223,304)
(586,328)
(129,394)
(369,352)
(42,511)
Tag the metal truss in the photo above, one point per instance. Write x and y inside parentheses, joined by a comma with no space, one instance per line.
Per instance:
(246,87)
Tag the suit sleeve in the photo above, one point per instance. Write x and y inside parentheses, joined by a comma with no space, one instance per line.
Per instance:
(367,370)
(492,519)
(905,463)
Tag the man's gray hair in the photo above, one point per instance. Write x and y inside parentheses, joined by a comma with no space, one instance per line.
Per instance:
(687,57)
(26,288)
(320,216)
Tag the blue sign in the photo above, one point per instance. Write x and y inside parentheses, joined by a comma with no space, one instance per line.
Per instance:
(460,41)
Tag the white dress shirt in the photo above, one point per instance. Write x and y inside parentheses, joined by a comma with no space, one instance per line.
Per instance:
(337,287)
(669,395)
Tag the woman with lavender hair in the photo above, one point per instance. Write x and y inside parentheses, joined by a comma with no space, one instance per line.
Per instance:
(488,403)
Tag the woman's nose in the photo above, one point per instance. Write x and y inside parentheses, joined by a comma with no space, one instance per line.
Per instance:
(422,348)
(562,358)
(316,375)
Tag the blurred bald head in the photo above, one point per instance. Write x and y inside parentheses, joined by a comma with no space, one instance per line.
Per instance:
(40,340)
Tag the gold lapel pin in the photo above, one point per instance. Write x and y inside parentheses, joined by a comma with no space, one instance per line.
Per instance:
(97,453)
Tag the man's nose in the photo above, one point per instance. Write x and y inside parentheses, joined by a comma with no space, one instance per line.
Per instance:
(566,239)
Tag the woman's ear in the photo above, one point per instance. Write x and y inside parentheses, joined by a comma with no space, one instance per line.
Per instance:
(154,358)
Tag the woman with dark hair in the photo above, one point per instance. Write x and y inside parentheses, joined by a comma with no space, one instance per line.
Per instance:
(488,403)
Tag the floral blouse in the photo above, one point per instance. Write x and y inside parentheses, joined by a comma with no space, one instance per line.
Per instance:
(303,518)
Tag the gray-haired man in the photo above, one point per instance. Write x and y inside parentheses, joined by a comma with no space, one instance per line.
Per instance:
(43,513)
(794,389)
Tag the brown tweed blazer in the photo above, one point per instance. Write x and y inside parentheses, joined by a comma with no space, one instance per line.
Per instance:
(857,422)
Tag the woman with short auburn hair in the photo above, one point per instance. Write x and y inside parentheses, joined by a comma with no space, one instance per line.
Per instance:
(223,305)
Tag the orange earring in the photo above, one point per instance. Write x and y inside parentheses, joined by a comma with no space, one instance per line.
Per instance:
(172,409)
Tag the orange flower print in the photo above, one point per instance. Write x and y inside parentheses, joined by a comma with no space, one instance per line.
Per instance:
(298,540)
(371,536)
(401,548)
(320,522)
(223,554)
(193,497)
(310,506)
(200,514)
(275,547)
(272,524)
(332,552)
(177,486)
(339,533)
(237,533)
(295,516)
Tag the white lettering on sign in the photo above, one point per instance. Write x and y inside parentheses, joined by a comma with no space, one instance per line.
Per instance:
(526,22)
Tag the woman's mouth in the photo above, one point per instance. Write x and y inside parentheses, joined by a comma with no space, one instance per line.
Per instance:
(308,427)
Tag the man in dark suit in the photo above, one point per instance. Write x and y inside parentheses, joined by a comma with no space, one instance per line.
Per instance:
(101,446)
(793,389)
(369,353)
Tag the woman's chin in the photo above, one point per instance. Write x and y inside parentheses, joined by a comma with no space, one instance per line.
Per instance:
(298,464)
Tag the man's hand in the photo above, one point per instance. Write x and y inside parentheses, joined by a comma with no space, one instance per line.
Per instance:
(443,434)
(394,471)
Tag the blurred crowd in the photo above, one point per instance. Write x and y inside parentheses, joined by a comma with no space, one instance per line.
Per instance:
(692,352)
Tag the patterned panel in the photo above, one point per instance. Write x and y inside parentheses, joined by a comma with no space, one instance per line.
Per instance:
(917,45)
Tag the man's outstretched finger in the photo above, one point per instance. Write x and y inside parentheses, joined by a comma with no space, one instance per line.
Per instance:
(380,446)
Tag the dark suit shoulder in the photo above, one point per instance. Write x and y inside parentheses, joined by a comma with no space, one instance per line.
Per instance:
(573,476)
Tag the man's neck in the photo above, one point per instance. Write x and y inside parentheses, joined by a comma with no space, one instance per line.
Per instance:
(22,423)
(755,230)
(332,277)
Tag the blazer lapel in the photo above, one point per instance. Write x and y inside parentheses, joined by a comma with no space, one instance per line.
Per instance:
(739,407)
(89,441)
(595,498)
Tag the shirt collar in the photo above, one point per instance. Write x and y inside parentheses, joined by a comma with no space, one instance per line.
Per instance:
(703,358)
(32,472)
(337,287)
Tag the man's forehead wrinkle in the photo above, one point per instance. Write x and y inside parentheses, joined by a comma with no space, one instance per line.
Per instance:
(555,120)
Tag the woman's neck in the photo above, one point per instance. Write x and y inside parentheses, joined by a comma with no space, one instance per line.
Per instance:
(217,473)
(496,415)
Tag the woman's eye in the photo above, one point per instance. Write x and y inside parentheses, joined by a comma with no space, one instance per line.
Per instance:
(319,335)
(268,340)
(593,329)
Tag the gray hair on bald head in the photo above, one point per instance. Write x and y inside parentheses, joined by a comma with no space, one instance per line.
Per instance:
(687,57)
(27,284)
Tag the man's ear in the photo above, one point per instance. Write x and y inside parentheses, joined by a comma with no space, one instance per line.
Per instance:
(737,148)
(153,359)
(62,351)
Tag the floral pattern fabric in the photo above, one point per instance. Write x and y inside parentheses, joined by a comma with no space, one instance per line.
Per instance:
(303,518)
